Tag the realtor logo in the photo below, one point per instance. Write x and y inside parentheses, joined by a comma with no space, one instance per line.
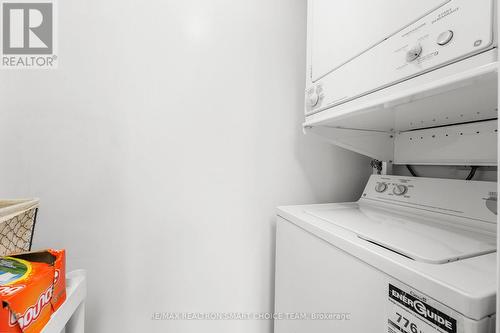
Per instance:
(28,31)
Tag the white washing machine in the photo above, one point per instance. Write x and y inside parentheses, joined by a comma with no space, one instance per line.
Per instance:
(414,255)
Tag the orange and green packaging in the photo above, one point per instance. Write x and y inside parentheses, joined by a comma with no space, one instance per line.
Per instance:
(32,287)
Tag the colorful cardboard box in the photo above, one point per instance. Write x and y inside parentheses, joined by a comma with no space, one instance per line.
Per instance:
(32,287)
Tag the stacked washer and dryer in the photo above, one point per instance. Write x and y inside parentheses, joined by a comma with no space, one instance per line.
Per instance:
(404,83)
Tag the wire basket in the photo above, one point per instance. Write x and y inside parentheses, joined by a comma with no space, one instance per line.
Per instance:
(17,225)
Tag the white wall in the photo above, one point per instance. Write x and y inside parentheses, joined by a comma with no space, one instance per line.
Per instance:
(160,148)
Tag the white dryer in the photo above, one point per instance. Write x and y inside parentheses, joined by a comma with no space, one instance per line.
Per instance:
(358,47)
(413,255)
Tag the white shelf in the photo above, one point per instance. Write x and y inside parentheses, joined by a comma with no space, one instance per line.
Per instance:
(71,313)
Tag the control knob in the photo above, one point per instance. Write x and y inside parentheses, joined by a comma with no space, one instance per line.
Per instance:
(313,99)
(399,189)
(381,187)
(413,53)
(445,37)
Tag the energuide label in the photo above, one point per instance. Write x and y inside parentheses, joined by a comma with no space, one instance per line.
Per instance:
(410,312)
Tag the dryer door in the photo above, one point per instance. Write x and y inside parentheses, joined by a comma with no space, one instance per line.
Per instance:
(364,23)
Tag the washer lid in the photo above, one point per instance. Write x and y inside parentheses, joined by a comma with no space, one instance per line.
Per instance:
(423,240)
